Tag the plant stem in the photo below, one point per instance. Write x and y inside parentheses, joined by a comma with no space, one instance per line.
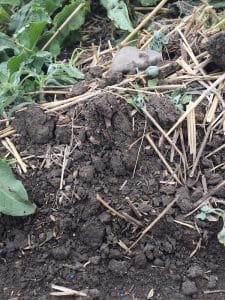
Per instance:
(143,23)
(63,25)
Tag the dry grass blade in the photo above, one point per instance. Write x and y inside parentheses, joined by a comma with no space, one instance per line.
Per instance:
(206,197)
(162,158)
(65,161)
(7,132)
(211,112)
(157,219)
(200,151)
(215,151)
(198,246)
(143,23)
(156,124)
(197,102)
(124,216)
(214,291)
(51,106)
(12,149)
(191,126)
(184,224)
(63,291)
(78,8)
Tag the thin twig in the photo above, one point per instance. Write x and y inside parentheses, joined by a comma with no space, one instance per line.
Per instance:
(15,153)
(206,197)
(66,291)
(149,116)
(157,219)
(63,25)
(203,144)
(139,149)
(197,102)
(129,219)
(162,158)
(143,23)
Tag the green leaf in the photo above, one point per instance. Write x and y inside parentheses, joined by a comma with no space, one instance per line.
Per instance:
(7,43)
(51,5)
(159,39)
(4,16)
(117,12)
(207,209)
(153,82)
(72,25)
(31,34)
(13,196)
(201,216)
(60,74)
(15,62)
(137,101)
(152,71)
(10,2)
(186,99)
(221,236)
(148,2)
(29,13)
(34,63)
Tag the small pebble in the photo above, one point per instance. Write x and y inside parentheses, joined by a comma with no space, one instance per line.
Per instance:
(118,267)
(60,253)
(140,260)
(194,271)
(158,262)
(212,282)
(189,288)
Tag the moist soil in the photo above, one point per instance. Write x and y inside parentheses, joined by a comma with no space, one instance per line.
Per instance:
(97,151)
(74,241)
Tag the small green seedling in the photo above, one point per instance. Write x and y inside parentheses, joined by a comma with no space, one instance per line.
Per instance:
(180,100)
(137,102)
(213,214)
(13,196)
(152,71)
(159,40)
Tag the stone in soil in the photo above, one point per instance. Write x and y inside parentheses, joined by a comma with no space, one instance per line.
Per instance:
(118,267)
(194,271)
(189,288)
(92,234)
(216,48)
(34,125)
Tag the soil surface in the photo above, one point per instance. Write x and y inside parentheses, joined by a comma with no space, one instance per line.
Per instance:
(95,153)
(74,241)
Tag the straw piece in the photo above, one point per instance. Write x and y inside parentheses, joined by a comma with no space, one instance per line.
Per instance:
(162,158)
(15,153)
(150,226)
(143,23)
(197,102)
(191,125)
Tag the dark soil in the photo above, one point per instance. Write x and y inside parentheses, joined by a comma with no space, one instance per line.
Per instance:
(72,240)
(216,49)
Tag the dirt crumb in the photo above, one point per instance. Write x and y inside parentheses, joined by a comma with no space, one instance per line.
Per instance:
(92,234)
(189,288)
(140,260)
(216,48)
(163,110)
(60,253)
(194,271)
(34,125)
(118,267)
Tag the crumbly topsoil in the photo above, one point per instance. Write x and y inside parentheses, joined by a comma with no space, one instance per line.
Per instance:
(72,240)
